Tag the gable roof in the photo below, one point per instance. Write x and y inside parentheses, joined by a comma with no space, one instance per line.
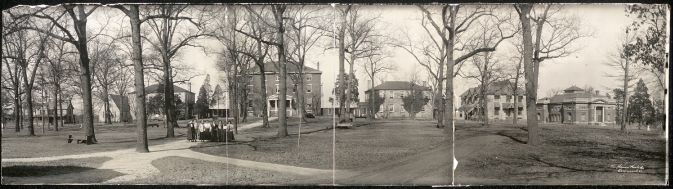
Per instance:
(572,89)
(122,102)
(291,69)
(398,85)
(155,89)
(503,87)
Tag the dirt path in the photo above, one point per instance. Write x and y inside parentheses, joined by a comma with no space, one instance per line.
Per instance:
(139,165)
(425,168)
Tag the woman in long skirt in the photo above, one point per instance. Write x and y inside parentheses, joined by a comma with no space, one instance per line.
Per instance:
(190,131)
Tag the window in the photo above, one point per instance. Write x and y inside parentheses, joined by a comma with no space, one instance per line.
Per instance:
(496,111)
(294,89)
(509,98)
(250,103)
(392,95)
(308,106)
(277,89)
(497,97)
(309,88)
(401,94)
(520,98)
(391,108)
(277,77)
(520,110)
(308,77)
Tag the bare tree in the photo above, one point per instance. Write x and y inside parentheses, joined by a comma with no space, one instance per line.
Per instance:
(515,75)
(257,50)
(375,65)
(487,71)
(623,60)
(303,35)
(11,76)
(27,49)
(107,64)
(171,29)
(57,72)
(553,42)
(78,14)
(451,31)
(277,25)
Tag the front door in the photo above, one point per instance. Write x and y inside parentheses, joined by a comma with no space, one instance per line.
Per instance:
(599,114)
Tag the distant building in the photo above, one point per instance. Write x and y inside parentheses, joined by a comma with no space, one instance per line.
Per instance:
(393,92)
(186,96)
(312,90)
(120,109)
(46,111)
(499,102)
(577,106)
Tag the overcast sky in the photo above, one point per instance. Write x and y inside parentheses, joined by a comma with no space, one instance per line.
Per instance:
(586,67)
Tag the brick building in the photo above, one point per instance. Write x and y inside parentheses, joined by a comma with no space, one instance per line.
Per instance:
(393,92)
(499,102)
(577,106)
(312,90)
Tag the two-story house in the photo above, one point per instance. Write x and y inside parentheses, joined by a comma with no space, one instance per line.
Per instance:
(499,102)
(393,106)
(312,91)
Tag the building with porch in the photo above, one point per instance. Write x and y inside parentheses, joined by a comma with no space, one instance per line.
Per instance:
(577,106)
(499,102)
(312,91)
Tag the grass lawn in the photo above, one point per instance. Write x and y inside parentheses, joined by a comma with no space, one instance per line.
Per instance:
(569,154)
(179,170)
(57,172)
(356,148)
(52,143)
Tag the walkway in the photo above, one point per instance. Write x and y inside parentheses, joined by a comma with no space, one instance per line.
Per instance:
(139,165)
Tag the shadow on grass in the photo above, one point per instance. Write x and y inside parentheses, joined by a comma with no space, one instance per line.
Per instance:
(37,171)
(512,136)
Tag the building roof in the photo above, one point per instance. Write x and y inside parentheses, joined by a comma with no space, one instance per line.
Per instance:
(571,94)
(398,85)
(503,87)
(155,89)
(572,89)
(291,68)
(122,102)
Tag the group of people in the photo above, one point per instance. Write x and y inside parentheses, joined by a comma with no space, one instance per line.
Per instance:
(213,131)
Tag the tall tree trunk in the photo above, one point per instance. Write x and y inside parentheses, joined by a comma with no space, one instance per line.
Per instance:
(372,103)
(342,71)
(516,98)
(17,109)
(301,94)
(56,107)
(169,103)
(29,99)
(449,129)
(236,106)
(531,88)
(106,101)
(139,95)
(262,86)
(282,97)
(625,87)
(87,97)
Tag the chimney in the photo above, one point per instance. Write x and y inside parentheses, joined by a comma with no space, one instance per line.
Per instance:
(597,92)
(318,65)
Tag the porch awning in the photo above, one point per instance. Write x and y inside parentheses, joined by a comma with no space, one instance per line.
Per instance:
(275,97)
